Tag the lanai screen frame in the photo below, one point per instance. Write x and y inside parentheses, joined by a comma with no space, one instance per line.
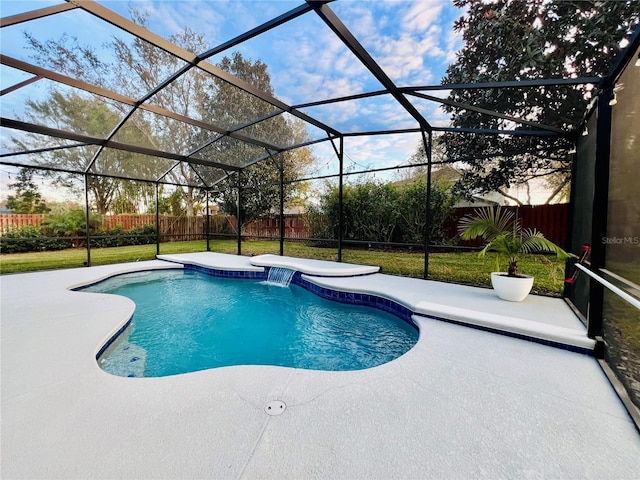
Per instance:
(334,136)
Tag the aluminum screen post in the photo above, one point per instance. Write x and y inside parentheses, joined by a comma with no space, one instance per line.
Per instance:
(281,168)
(567,287)
(340,203)
(87,217)
(427,141)
(600,210)
(157,218)
(208,221)
(238,214)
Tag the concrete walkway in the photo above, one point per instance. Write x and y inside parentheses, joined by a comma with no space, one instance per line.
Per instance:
(463,403)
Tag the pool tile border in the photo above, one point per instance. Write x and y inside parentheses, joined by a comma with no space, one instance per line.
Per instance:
(240,274)
(353,298)
(364,299)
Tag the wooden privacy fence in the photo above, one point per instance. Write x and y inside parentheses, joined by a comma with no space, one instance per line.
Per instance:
(9,220)
(551,220)
(172,229)
(128,222)
(295,226)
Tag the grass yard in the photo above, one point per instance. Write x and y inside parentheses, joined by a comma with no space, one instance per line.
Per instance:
(465,267)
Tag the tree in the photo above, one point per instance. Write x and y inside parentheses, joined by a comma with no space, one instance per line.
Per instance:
(138,68)
(91,116)
(412,208)
(522,40)
(226,105)
(27,198)
(132,197)
(382,212)
(442,172)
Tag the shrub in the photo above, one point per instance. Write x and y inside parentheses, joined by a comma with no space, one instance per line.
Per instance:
(382,213)
(33,239)
(29,238)
(117,237)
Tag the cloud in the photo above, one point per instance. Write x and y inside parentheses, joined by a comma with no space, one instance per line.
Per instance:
(454,44)
(5,181)
(421,15)
(170,18)
(315,65)
(382,151)
(409,40)
(363,153)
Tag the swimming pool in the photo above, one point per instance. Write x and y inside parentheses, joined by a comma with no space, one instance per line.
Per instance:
(186,321)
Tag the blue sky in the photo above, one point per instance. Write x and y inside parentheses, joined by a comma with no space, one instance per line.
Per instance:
(412,40)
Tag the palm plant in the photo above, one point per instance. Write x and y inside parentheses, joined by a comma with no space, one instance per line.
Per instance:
(504,235)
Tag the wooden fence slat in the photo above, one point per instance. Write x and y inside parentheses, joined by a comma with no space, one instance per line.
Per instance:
(8,220)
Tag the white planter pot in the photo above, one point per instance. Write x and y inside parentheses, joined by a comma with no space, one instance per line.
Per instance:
(513,289)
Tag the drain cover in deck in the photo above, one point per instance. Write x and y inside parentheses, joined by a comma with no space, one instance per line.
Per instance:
(275,407)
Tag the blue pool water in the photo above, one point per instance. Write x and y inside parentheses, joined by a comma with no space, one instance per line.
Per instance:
(187,321)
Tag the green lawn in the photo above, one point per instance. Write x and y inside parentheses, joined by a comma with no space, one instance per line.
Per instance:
(465,267)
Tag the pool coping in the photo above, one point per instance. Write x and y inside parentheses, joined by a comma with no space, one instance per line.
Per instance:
(319,268)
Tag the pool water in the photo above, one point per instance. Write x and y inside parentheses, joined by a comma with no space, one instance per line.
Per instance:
(187,321)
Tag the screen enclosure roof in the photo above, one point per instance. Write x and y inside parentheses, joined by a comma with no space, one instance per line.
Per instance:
(135,104)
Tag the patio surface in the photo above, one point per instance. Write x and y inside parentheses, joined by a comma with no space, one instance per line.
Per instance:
(463,403)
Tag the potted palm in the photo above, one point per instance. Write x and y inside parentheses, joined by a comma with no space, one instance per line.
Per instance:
(504,235)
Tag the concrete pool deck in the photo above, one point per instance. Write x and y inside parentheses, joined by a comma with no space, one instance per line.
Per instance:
(463,403)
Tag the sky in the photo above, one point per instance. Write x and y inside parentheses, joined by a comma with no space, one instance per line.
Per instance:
(413,41)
